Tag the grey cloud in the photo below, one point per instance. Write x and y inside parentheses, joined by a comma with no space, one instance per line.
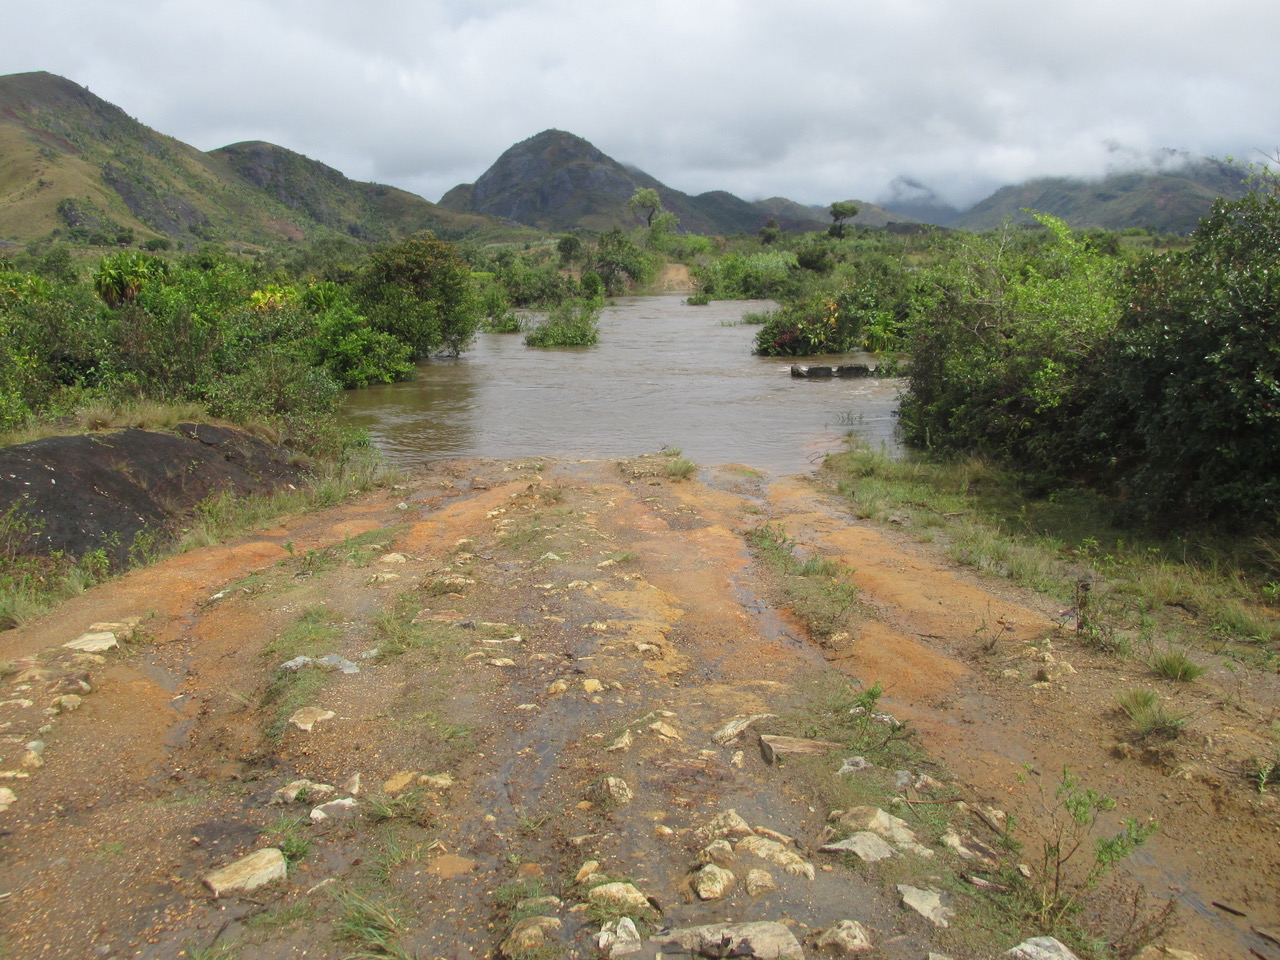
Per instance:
(814,99)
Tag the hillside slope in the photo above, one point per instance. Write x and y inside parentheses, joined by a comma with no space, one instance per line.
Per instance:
(74,163)
(557,181)
(1170,201)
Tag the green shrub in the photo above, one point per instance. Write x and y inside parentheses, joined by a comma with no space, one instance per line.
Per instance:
(574,323)
(1189,400)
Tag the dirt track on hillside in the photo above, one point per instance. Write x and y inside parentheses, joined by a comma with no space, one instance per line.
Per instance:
(563,608)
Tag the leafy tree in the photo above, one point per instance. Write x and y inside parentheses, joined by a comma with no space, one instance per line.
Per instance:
(770,232)
(569,248)
(841,211)
(647,203)
(121,276)
(420,291)
(619,262)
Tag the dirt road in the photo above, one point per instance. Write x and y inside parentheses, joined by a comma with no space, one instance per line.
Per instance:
(532,660)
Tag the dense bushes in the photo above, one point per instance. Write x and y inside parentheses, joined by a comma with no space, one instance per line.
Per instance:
(220,330)
(1159,379)
(1188,399)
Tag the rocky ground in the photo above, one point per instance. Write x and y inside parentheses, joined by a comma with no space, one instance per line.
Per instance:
(545,709)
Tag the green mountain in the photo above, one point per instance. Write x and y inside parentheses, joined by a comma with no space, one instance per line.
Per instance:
(1167,201)
(558,182)
(76,164)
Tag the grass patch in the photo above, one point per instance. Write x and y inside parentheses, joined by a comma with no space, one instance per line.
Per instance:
(409,806)
(290,835)
(288,692)
(312,634)
(224,516)
(1175,665)
(1150,716)
(679,468)
(817,589)
(282,917)
(1204,592)
(372,924)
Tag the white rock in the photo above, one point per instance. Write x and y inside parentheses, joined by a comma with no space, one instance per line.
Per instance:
(845,936)
(775,852)
(865,845)
(712,882)
(622,897)
(887,826)
(302,788)
(726,824)
(528,935)
(759,881)
(622,743)
(248,873)
(343,809)
(7,799)
(765,940)
(308,717)
(613,790)
(855,765)
(736,725)
(98,642)
(1041,948)
(927,903)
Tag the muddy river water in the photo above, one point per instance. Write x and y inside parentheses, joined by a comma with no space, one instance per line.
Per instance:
(663,374)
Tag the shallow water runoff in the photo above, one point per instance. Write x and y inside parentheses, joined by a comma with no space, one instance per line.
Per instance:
(664,374)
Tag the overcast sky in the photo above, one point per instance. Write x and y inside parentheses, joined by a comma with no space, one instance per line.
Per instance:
(815,100)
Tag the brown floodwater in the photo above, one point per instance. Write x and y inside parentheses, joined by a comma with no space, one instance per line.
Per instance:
(663,374)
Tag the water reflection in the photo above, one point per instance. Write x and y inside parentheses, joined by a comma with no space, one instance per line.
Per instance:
(663,374)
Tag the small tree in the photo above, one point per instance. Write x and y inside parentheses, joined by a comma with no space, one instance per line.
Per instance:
(770,232)
(841,211)
(420,290)
(646,202)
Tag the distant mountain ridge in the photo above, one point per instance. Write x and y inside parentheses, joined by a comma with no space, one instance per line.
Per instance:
(1172,200)
(73,161)
(557,182)
(80,166)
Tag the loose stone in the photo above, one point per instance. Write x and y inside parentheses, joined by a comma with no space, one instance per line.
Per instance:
(775,852)
(717,851)
(97,642)
(621,897)
(622,743)
(855,765)
(527,936)
(864,844)
(846,936)
(726,824)
(759,882)
(613,790)
(927,903)
(248,873)
(736,725)
(712,882)
(308,717)
(7,799)
(1041,948)
(302,789)
(764,940)
(343,809)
